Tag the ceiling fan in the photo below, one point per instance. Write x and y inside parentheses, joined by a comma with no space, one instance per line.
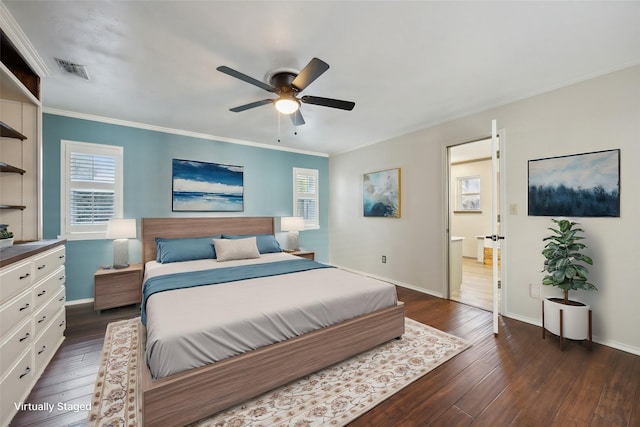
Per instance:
(287,85)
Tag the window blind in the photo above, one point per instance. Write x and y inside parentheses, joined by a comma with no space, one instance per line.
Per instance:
(306,196)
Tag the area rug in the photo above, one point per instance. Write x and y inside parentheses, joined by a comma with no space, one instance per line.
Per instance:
(333,396)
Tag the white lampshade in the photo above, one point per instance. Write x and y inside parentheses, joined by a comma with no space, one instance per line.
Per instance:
(292,223)
(121,228)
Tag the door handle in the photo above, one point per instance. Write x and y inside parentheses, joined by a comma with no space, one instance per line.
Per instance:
(495,237)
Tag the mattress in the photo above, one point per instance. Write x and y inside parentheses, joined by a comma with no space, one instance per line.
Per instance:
(192,327)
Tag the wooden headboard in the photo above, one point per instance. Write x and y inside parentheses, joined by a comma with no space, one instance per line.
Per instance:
(198,227)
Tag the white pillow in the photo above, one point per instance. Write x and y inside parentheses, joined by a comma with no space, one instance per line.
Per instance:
(230,249)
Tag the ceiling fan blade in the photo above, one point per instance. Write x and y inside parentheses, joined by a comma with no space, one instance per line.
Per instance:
(251,105)
(328,102)
(297,119)
(312,71)
(245,78)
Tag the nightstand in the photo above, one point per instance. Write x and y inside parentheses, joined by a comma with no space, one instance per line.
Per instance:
(117,287)
(304,254)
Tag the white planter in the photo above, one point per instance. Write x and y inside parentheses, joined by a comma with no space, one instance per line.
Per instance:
(575,319)
(5,243)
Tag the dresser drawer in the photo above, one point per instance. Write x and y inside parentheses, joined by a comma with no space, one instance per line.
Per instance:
(15,312)
(48,262)
(15,344)
(46,346)
(44,290)
(15,279)
(15,386)
(44,316)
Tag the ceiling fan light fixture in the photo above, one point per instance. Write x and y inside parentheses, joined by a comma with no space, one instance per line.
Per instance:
(287,105)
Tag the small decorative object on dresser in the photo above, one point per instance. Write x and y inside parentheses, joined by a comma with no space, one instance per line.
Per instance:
(117,287)
(561,316)
(6,237)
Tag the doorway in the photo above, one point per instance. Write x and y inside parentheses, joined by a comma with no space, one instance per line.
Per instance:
(471,254)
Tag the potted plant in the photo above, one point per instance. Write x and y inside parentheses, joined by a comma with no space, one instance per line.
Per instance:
(6,236)
(565,267)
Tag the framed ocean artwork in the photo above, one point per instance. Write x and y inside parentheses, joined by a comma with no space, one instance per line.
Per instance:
(381,194)
(207,187)
(577,185)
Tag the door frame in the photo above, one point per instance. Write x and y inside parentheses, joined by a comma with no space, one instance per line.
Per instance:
(502,212)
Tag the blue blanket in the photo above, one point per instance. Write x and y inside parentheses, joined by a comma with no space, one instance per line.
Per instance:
(216,276)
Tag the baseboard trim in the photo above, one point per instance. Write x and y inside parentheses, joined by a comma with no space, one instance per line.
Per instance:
(79,301)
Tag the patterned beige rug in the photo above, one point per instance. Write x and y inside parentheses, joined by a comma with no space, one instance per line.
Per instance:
(333,396)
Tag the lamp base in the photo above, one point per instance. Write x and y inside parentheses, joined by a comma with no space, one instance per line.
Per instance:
(293,241)
(121,253)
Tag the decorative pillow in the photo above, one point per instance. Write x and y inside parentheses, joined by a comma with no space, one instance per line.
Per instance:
(230,249)
(184,249)
(266,243)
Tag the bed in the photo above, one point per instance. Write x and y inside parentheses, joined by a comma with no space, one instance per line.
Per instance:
(178,395)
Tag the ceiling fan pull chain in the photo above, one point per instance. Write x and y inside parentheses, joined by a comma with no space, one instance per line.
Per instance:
(278,112)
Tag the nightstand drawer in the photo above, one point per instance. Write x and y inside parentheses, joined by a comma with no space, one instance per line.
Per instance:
(118,283)
(117,299)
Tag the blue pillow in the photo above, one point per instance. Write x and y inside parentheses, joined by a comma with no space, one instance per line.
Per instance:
(185,249)
(266,243)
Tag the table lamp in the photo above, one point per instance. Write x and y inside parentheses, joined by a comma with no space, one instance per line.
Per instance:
(292,224)
(120,230)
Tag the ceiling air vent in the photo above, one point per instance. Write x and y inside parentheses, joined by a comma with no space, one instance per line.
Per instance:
(71,68)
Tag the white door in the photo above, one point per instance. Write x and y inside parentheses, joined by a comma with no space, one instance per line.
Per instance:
(496,227)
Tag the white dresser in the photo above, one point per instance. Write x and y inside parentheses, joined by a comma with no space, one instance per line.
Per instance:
(32,317)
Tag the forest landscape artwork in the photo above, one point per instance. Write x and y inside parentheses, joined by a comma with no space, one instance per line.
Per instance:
(579,185)
(381,194)
(201,186)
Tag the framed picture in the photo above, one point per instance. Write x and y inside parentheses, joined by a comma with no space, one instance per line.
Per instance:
(381,194)
(578,185)
(207,187)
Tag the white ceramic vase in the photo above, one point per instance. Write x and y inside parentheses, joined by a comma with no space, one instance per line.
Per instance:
(5,243)
(575,319)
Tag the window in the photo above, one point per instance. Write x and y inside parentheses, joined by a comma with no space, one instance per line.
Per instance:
(469,193)
(91,188)
(305,196)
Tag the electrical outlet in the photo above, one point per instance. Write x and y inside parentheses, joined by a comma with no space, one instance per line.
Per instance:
(534,290)
(384,259)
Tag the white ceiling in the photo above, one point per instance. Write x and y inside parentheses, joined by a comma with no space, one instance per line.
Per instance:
(407,65)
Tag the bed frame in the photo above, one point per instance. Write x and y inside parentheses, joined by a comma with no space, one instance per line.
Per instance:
(186,397)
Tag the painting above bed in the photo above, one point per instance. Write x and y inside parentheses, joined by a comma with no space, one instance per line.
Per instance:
(578,185)
(207,187)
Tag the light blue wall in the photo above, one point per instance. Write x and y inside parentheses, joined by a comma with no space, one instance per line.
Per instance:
(147,186)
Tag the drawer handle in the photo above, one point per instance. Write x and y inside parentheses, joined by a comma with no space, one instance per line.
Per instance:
(25,276)
(26,336)
(62,323)
(26,372)
(43,319)
(42,266)
(44,291)
(61,278)
(44,347)
(61,298)
(27,305)
(61,257)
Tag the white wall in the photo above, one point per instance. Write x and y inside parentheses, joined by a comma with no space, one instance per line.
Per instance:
(598,114)
(472,224)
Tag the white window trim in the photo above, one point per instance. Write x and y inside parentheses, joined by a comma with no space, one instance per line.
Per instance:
(95,232)
(316,174)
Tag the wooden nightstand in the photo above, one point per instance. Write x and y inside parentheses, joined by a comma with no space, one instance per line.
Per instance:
(304,254)
(117,287)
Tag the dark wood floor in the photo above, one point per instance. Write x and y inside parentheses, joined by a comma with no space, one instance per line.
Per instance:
(515,379)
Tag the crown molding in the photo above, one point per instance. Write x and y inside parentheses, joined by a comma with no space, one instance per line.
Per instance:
(119,122)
